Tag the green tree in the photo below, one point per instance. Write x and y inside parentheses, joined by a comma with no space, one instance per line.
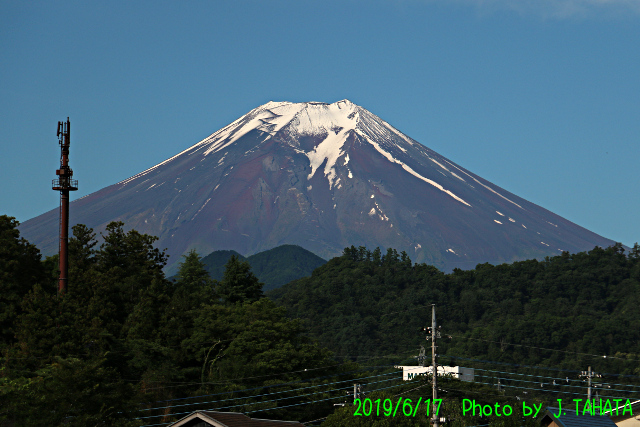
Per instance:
(193,285)
(357,305)
(20,270)
(128,264)
(238,283)
(69,392)
(192,289)
(254,344)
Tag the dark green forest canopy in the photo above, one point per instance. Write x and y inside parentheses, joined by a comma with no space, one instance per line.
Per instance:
(125,346)
(366,304)
(123,340)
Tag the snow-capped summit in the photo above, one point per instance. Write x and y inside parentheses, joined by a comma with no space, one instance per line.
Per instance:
(322,176)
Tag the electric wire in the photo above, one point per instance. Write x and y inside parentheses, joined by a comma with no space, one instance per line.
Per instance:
(279,407)
(305,403)
(544,390)
(188,383)
(548,349)
(534,367)
(261,387)
(397,385)
(539,390)
(275,385)
(268,401)
(595,385)
(265,394)
(273,400)
(480,369)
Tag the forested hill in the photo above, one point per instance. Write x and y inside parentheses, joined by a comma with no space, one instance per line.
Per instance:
(124,346)
(364,304)
(274,267)
(123,343)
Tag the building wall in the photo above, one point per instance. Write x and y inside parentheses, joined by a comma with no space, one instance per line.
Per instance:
(629,422)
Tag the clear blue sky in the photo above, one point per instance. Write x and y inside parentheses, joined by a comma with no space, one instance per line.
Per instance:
(539,97)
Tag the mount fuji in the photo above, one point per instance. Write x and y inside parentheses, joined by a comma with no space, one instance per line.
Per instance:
(322,176)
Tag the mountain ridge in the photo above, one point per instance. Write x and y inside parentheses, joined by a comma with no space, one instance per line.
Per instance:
(274,267)
(323,176)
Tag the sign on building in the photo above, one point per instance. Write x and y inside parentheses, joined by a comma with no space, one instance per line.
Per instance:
(463,374)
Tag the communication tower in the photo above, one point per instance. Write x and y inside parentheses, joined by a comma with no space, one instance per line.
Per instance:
(64,183)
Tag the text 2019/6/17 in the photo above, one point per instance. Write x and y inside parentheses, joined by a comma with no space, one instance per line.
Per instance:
(367,407)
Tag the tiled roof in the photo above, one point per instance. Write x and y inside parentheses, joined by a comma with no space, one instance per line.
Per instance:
(572,419)
(234,419)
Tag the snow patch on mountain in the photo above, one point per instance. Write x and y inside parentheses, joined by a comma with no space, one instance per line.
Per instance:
(268,118)
(136,176)
(407,168)
(330,150)
(336,121)
(397,132)
(486,186)
(333,121)
(438,163)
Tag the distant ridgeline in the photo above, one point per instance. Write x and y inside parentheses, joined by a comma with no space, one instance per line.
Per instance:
(366,303)
(274,267)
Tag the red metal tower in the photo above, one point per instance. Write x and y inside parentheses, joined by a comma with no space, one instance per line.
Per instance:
(64,184)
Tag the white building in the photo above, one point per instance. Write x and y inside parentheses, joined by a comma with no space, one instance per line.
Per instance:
(463,374)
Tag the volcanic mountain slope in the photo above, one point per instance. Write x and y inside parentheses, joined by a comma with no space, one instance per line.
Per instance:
(322,176)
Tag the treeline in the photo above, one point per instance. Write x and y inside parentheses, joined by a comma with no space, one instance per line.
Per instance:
(125,346)
(558,312)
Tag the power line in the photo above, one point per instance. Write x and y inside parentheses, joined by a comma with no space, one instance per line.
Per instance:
(273,400)
(559,379)
(189,383)
(282,407)
(541,384)
(267,386)
(269,401)
(540,389)
(278,385)
(265,394)
(549,349)
(534,367)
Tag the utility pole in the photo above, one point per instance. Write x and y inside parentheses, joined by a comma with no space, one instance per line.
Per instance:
(434,364)
(64,184)
(589,388)
(588,374)
(433,333)
(358,392)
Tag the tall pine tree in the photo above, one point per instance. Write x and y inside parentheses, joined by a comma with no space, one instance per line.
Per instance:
(239,284)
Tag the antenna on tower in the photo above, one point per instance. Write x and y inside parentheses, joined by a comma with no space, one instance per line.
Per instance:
(64,184)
